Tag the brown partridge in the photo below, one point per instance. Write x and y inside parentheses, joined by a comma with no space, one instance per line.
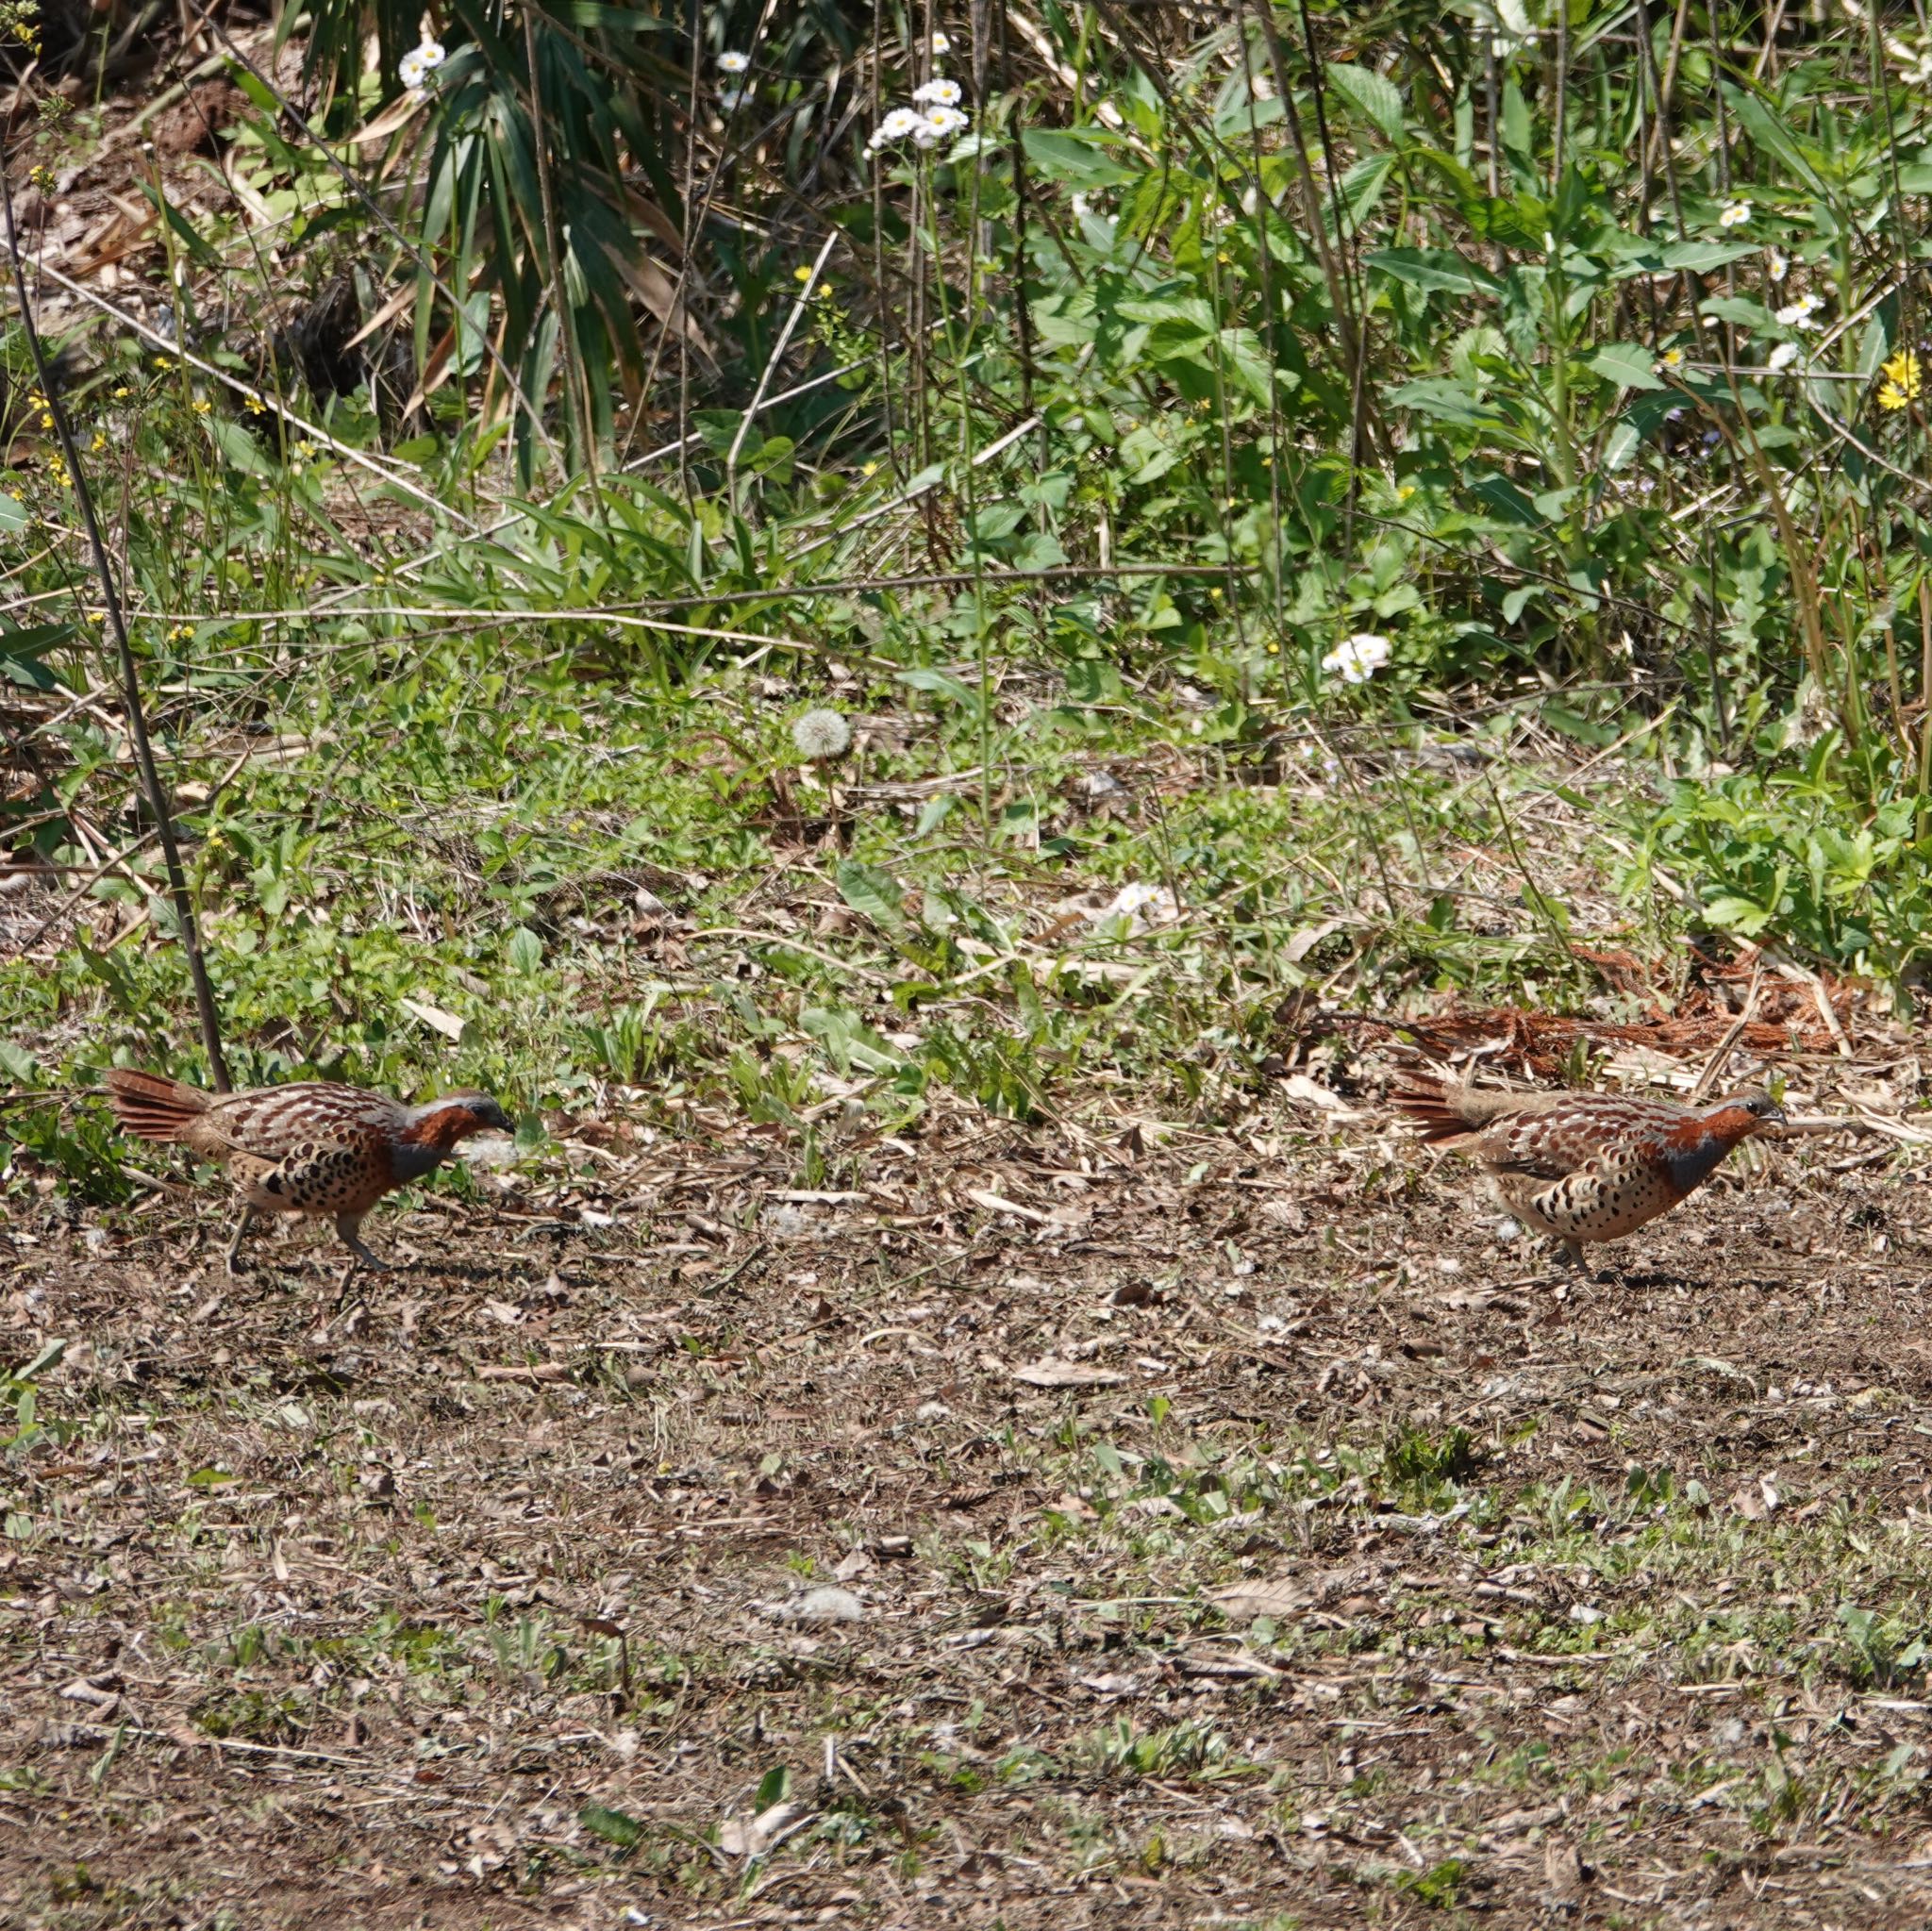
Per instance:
(1582,1167)
(309,1148)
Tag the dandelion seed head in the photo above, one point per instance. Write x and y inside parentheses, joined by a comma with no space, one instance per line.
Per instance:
(821,734)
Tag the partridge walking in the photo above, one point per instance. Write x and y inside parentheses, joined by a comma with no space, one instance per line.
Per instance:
(1582,1167)
(308,1148)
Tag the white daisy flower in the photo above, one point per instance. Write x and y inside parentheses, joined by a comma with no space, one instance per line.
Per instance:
(1783,356)
(1357,659)
(1777,265)
(941,121)
(419,63)
(1801,313)
(896,127)
(1736,215)
(940,46)
(732,98)
(734,63)
(941,94)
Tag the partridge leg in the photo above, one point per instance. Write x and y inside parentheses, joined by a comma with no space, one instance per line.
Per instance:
(349,1225)
(241,1226)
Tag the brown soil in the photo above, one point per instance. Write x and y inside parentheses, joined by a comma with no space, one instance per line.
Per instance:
(374,1620)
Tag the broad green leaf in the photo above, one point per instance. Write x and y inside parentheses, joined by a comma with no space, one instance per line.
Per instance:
(1434,268)
(614,1826)
(1076,157)
(1701,257)
(1769,133)
(1737,309)
(1374,96)
(525,950)
(1736,915)
(1628,364)
(871,892)
(942,684)
(239,446)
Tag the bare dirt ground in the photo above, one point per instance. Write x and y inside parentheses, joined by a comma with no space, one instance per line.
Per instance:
(755,1560)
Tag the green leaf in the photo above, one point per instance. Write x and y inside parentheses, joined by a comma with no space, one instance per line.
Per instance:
(1374,96)
(773,1787)
(1434,268)
(1737,309)
(614,1826)
(871,892)
(21,652)
(1700,257)
(942,684)
(239,446)
(48,1358)
(525,950)
(205,257)
(1769,133)
(1736,915)
(1076,157)
(1628,364)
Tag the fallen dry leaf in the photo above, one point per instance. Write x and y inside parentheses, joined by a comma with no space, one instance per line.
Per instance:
(1052,1374)
(1242,1602)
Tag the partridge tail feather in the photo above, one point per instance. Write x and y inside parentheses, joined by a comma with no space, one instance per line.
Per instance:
(1437,1106)
(152,1107)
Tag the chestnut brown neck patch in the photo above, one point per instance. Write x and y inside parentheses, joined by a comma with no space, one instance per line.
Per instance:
(442,1129)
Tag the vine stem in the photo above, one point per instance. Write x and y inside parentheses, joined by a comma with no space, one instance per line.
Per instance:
(131,679)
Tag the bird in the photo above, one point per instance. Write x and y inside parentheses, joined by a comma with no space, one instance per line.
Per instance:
(311,1147)
(1585,1166)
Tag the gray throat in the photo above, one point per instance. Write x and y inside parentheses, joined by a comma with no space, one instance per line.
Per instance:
(409,1160)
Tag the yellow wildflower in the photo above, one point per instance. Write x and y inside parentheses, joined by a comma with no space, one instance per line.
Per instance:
(202,405)
(1904,380)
